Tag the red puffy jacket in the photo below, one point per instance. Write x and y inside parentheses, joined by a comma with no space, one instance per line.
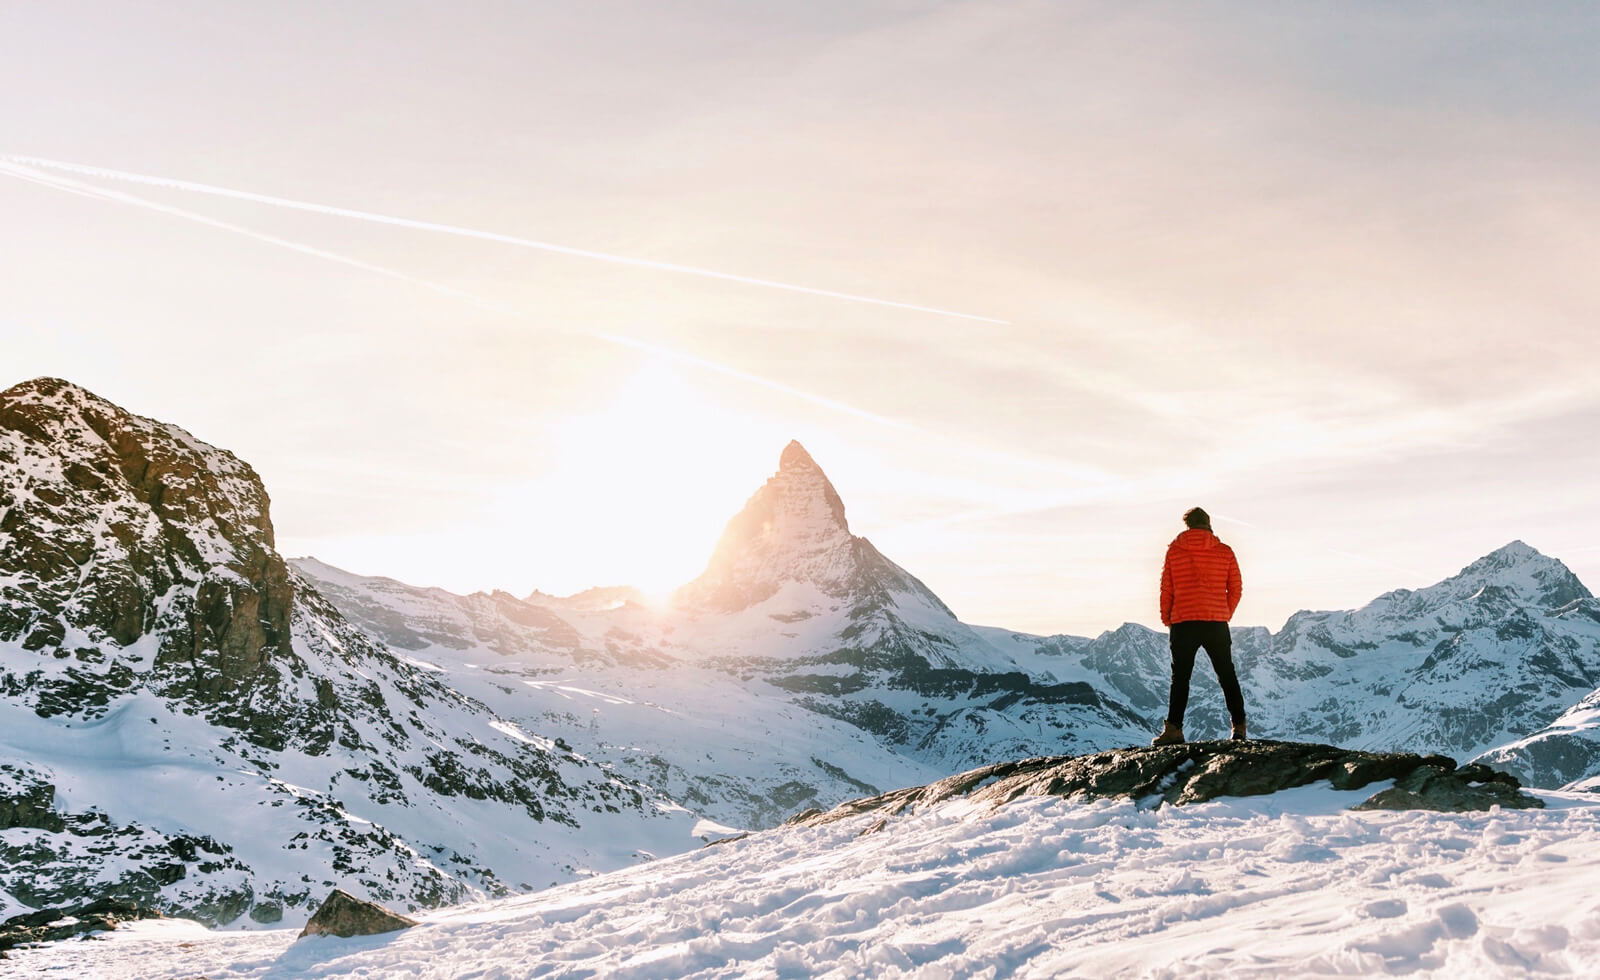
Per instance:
(1200,579)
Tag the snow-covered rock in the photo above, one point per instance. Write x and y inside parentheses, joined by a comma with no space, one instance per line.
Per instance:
(186,722)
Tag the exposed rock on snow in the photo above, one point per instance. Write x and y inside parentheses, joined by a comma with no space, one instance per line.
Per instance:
(342,914)
(1471,787)
(49,925)
(1195,772)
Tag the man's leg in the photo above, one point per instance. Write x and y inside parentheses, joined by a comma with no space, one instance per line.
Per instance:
(1185,641)
(1219,647)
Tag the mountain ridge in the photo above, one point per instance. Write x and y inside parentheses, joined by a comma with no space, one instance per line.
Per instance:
(188,723)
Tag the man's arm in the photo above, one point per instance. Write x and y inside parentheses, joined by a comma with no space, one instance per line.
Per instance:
(1235,583)
(1166,591)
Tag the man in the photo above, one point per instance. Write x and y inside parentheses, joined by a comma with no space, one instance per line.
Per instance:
(1200,589)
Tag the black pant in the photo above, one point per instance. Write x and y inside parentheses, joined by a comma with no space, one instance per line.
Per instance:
(1187,638)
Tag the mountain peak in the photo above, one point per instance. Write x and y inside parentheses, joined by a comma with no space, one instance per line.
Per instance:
(1528,572)
(802,494)
(1516,551)
(795,457)
(792,527)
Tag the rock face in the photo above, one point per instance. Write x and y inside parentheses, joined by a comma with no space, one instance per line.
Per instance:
(118,528)
(1194,772)
(167,683)
(342,914)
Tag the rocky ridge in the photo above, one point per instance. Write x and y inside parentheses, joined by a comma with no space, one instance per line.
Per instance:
(1195,772)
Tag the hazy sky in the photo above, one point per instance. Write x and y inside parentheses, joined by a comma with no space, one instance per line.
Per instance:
(1327,269)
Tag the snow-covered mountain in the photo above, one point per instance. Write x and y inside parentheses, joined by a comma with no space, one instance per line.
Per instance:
(801,669)
(249,732)
(1496,651)
(848,672)
(1564,753)
(186,721)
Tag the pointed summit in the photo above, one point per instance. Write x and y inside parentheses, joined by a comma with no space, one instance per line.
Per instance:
(803,496)
(793,531)
(795,457)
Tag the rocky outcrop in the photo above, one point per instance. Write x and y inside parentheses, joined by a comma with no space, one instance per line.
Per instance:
(63,860)
(118,528)
(342,914)
(1470,787)
(49,925)
(1194,772)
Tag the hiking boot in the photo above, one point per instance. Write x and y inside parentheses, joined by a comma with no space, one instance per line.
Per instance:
(1170,735)
(1238,731)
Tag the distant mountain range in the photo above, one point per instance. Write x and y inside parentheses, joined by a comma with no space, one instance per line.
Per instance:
(249,731)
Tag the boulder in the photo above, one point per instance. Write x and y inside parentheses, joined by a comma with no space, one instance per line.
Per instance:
(342,914)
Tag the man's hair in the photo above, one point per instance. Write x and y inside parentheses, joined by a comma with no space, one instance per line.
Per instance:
(1195,517)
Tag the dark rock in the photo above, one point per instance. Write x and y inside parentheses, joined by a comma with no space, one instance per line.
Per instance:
(1194,772)
(1471,787)
(26,801)
(49,925)
(183,549)
(342,914)
(266,912)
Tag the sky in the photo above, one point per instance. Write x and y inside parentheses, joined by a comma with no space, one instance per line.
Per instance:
(1325,269)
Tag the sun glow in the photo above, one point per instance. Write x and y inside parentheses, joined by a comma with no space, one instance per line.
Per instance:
(637,493)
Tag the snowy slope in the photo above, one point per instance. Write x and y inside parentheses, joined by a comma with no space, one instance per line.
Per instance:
(1285,885)
(187,722)
(1564,753)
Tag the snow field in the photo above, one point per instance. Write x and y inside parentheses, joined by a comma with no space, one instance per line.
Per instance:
(1291,884)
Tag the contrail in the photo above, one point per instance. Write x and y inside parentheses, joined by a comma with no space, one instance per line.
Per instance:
(89,190)
(62,183)
(488,236)
(59,182)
